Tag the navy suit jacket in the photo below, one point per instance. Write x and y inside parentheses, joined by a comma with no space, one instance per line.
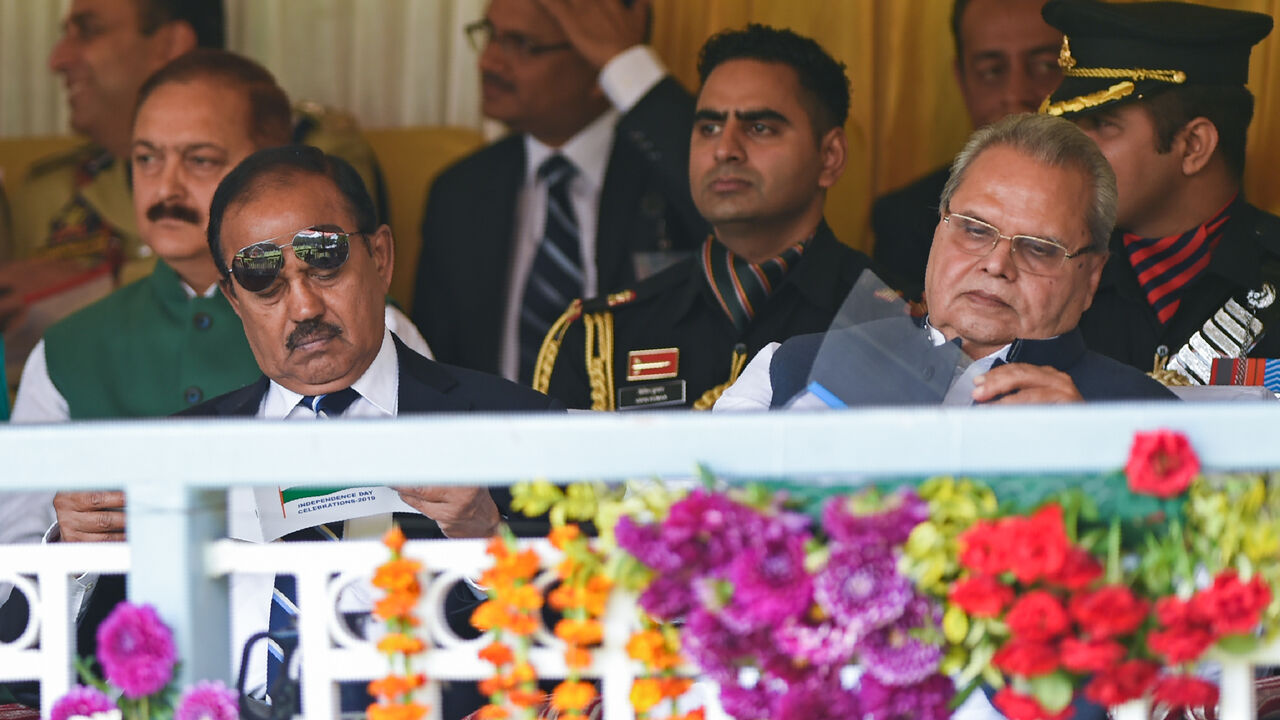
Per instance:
(468,228)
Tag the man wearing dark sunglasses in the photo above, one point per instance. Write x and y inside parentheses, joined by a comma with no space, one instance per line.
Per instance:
(1016,257)
(592,175)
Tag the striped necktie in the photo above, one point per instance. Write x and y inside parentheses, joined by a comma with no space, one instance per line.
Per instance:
(284,597)
(556,277)
(1165,266)
(742,287)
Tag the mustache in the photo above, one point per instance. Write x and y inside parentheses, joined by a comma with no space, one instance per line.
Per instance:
(498,80)
(310,330)
(182,213)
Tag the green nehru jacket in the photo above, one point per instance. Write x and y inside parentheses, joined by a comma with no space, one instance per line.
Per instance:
(148,350)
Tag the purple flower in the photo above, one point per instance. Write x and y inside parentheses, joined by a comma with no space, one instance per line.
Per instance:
(863,593)
(770,583)
(644,542)
(823,645)
(208,701)
(81,700)
(818,697)
(136,650)
(669,596)
(707,530)
(893,656)
(863,520)
(753,703)
(720,650)
(925,700)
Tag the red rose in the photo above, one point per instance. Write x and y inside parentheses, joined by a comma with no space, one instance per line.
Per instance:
(1161,463)
(1126,681)
(1180,643)
(984,548)
(1078,571)
(1184,691)
(1086,656)
(1038,544)
(981,596)
(1016,706)
(1109,611)
(1233,607)
(1172,612)
(1038,616)
(1026,658)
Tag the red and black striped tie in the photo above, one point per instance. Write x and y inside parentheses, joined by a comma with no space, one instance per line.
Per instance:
(741,287)
(1165,266)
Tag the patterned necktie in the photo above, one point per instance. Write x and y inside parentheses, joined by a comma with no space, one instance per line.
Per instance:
(556,277)
(1165,266)
(284,598)
(742,287)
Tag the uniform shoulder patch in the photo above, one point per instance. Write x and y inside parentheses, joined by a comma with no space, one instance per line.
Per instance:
(67,161)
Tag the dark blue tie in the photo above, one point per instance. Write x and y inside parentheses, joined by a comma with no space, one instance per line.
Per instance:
(556,277)
(284,607)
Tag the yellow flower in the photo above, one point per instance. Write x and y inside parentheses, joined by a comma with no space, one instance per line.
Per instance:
(645,694)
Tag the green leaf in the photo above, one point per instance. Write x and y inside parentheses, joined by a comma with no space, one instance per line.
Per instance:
(1239,644)
(1054,690)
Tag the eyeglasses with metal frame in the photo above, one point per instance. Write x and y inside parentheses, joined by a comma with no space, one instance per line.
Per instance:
(481,32)
(1036,255)
(324,247)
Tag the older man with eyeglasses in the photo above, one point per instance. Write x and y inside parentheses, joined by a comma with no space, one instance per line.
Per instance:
(1016,257)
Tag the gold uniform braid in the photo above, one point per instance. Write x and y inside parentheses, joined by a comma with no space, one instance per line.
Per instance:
(550,349)
(599,358)
(737,361)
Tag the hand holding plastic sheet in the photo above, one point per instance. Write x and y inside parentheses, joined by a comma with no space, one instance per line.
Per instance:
(285,509)
(876,353)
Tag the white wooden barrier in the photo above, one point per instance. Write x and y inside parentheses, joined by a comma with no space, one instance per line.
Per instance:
(175,473)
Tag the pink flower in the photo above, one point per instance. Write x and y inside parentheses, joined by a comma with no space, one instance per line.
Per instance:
(81,700)
(136,650)
(208,701)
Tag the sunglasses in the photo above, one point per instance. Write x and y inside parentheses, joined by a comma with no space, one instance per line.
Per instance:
(258,265)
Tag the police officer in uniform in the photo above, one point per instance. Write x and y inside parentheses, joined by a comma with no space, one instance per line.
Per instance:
(768,140)
(73,210)
(1193,266)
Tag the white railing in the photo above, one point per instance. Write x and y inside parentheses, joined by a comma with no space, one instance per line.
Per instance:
(175,473)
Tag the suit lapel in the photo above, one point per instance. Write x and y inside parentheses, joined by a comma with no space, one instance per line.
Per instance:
(488,245)
(623,183)
(425,385)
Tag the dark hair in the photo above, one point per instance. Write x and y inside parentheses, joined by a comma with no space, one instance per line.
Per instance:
(1228,107)
(279,165)
(205,17)
(821,76)
(269,119)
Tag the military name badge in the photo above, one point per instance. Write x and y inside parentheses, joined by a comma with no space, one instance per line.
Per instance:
(651,395)
(656,364)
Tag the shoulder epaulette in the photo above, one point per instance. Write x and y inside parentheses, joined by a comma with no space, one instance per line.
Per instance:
(71,159)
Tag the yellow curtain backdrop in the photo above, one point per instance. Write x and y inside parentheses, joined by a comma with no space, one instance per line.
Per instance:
(907,116)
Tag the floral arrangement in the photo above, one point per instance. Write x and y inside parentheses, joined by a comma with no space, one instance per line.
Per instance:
(398,579)
(510,612)
(901,601)
(137,656)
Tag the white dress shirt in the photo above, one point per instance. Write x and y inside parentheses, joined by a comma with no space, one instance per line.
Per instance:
(625,80)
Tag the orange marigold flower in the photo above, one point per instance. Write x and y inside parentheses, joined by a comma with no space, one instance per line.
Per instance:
(695,714)
(526,597)
(497,653)
(521,624)
(560,536)
(405,711)
(398,575)
(490,686)
(399,643)
(572,695)
(497,547)
(394,686)
(674,687)
(493,712)
(526,698)
(645,693)
(577,658)
(646,645)
(523,672)
(487,616)
(394,605)
(394,539)
(580,632)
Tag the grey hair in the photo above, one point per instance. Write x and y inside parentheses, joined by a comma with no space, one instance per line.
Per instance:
(1057,143)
